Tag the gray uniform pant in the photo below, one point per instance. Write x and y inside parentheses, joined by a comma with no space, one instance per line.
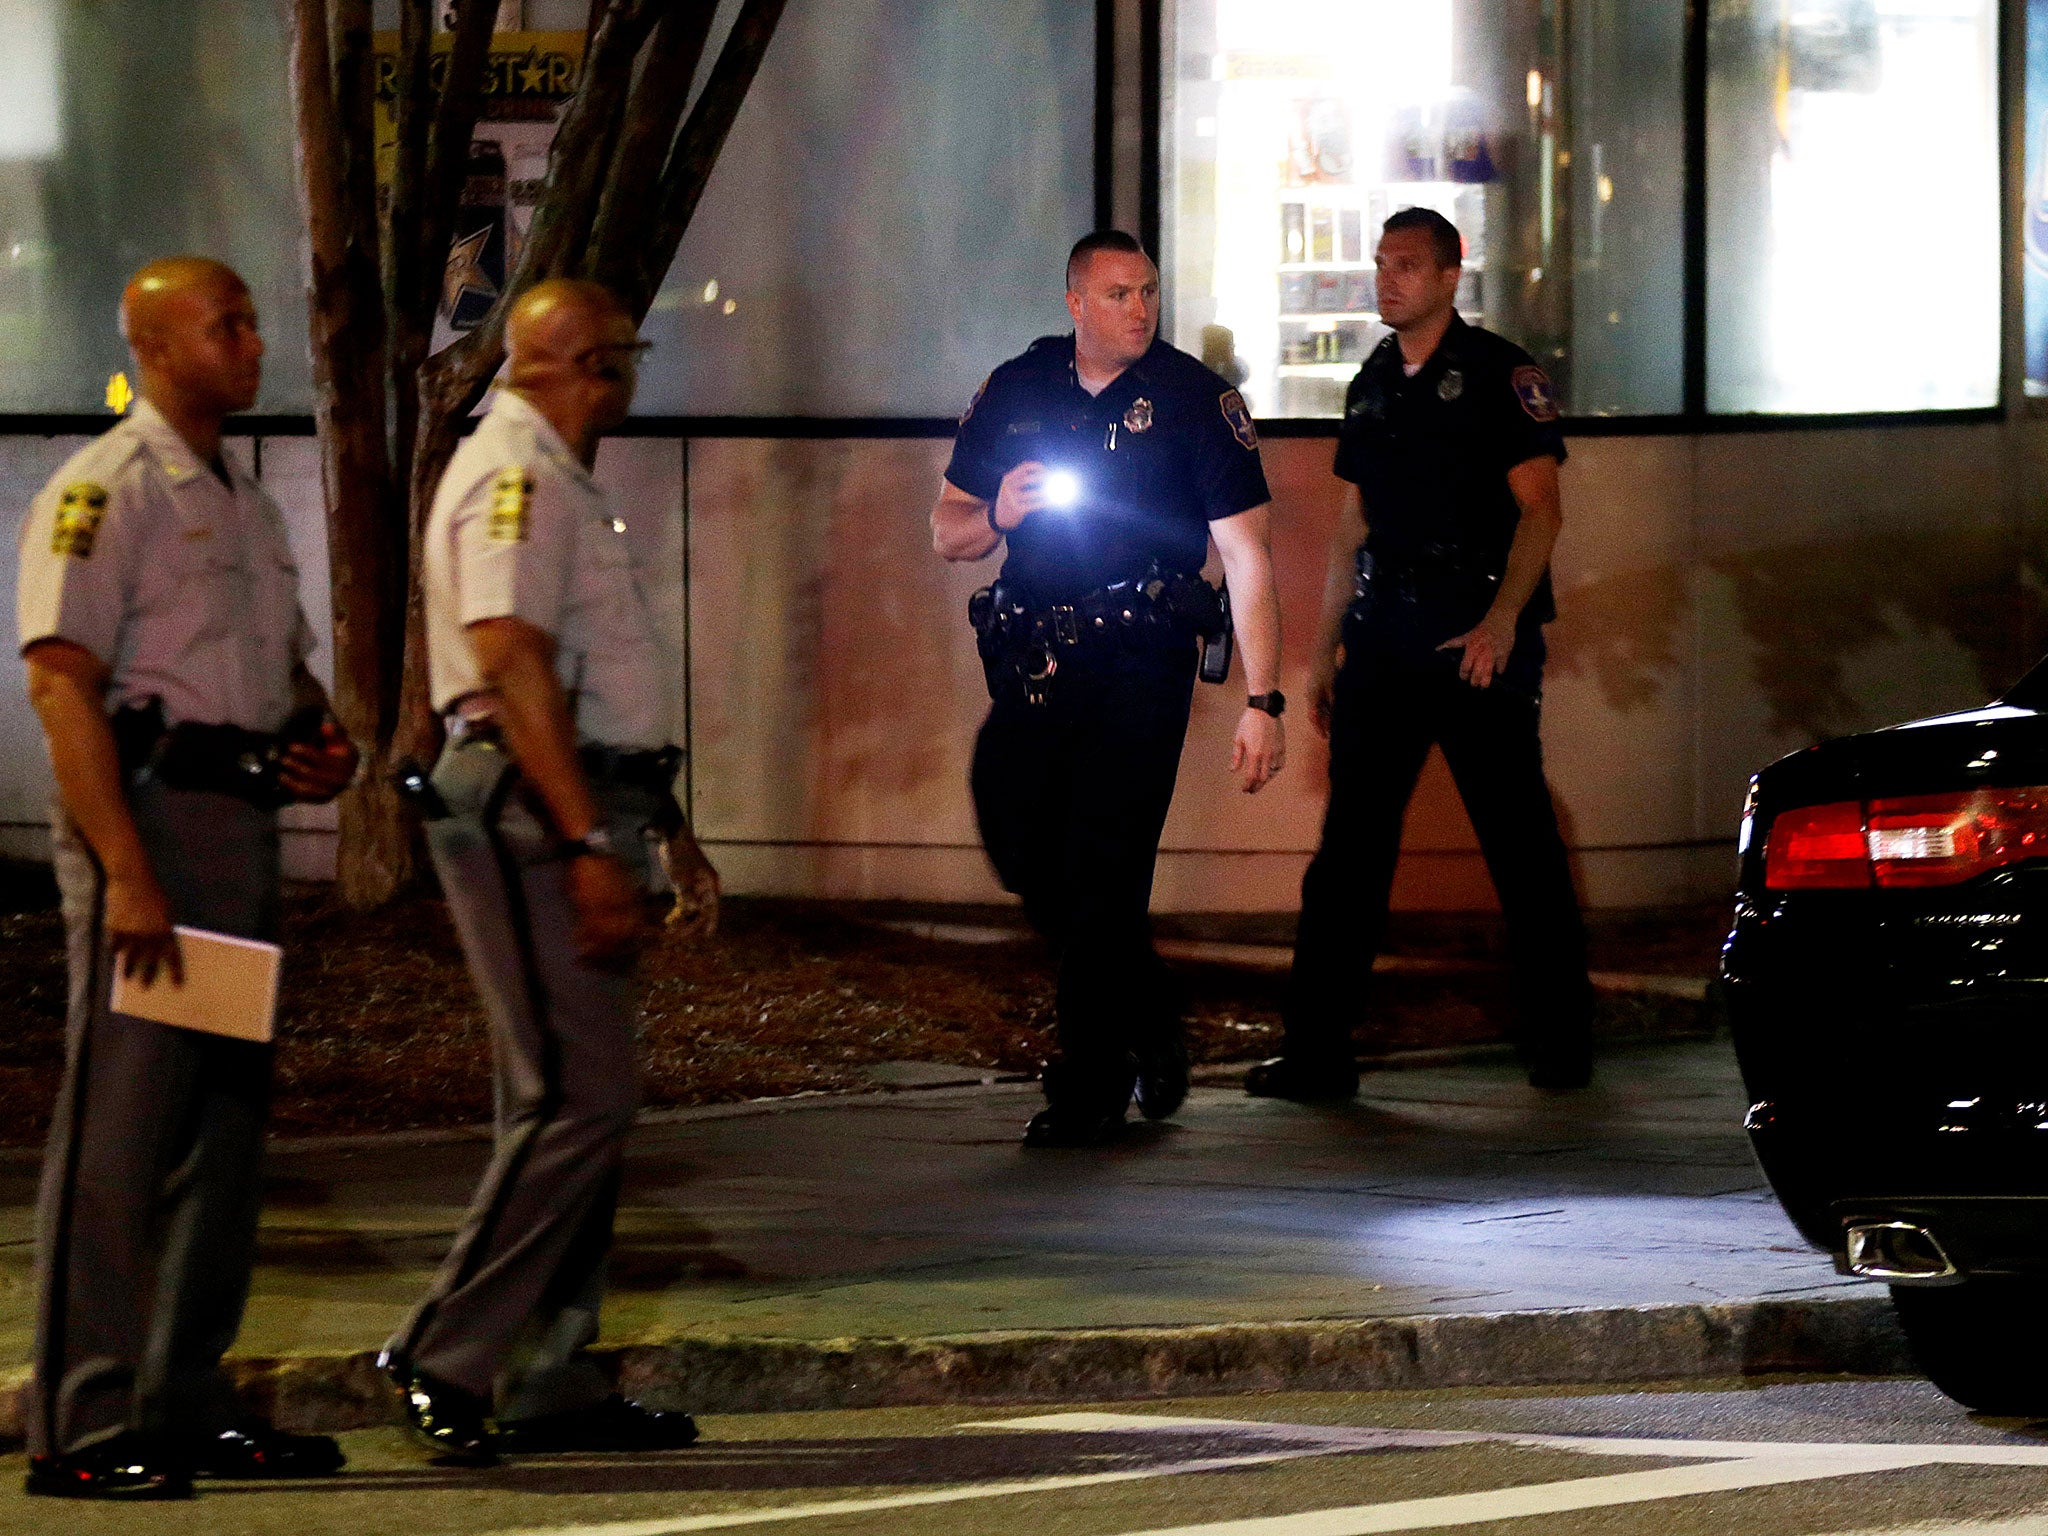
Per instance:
(519,1294)
(146,1222)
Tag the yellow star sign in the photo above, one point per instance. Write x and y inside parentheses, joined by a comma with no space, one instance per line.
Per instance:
(119,395)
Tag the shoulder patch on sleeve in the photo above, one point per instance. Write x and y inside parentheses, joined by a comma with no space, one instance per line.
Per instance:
(1239,415)
(511,504)
(968,414)
(1534,389)
(80,510)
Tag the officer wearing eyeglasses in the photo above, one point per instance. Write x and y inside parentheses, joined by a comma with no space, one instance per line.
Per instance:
(1104,462)
(544,658)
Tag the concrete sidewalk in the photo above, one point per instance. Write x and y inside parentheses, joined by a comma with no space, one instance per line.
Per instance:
(1452,1226)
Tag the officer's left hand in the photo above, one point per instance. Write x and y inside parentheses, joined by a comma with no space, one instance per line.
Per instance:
(317,772)
(1487,647)
(1259,751)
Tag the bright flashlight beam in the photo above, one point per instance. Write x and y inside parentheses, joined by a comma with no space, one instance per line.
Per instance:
(1061,489)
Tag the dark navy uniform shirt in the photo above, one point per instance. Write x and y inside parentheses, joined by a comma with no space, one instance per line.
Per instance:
(1165,450)
(1430,456)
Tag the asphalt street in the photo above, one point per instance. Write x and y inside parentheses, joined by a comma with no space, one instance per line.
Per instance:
(1781,1458)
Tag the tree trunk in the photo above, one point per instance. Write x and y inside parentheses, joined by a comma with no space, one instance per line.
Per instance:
(345,302)
(622,184)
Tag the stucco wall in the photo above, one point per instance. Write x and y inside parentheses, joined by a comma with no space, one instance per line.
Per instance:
(1724,599)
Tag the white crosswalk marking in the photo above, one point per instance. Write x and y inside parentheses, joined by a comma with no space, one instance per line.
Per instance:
(1715,1466)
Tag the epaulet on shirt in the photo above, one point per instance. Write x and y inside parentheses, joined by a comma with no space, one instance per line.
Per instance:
(104,457)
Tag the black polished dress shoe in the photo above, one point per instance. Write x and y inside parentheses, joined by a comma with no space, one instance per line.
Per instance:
(1162,1073)
(452,1422)
(261,1451)
(616,1424)
(127,1468)
(1058,1126)
(1304,1080)
(1560,1071)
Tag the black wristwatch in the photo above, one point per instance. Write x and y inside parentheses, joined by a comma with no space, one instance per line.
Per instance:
(1274,703)
(596,843)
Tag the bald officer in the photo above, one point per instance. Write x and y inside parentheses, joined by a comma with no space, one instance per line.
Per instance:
(159,618)
(543,658)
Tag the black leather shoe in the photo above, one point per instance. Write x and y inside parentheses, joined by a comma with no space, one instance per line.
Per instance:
(1162,1074)
(1561,1071)
(450,1421)
(616,1424)
(261,1451)
(1303,1080)
(126,1469)
(1054,1126)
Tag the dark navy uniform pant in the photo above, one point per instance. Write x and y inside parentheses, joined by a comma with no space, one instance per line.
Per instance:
(1391,706)
(146,1221)
(519,1294)
(1072,796)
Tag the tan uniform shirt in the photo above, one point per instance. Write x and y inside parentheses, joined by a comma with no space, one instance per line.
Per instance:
(184,587)
(520,530)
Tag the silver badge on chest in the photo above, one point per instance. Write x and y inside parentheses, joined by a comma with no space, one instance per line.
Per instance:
(1139,417)
(1450,386)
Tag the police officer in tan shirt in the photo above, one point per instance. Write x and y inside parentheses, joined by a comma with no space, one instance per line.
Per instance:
(159,618)
(544,658)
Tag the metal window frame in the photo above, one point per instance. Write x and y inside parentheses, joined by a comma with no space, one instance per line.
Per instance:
(1695,419)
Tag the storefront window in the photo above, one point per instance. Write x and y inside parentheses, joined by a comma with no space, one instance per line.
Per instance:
(1295,127)
(891,215)
(1852,205)
(2034,223)
(882,227)
(131,129)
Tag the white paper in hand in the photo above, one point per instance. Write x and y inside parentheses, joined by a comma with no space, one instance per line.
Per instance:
(230,987)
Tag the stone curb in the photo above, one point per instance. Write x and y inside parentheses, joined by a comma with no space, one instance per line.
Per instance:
(1856,1336)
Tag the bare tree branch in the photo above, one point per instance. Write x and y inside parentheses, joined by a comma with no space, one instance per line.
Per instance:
(412,105)
(457,376)
(652,115)
(455,115)
(330,81)
(696,151)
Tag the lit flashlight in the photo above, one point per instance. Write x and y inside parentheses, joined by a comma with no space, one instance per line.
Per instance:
(1061,489)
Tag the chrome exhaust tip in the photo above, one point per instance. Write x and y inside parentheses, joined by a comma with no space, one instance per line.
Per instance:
(1899,1253)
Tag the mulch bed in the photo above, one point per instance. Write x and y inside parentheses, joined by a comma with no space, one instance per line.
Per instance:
(380,1030)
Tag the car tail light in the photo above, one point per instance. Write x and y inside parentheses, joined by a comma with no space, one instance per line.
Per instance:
(1905,841)
(1946,839)
(1817,847)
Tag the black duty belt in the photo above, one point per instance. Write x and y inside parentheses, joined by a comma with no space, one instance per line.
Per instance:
(651,770)
(213,759)
(1013,631)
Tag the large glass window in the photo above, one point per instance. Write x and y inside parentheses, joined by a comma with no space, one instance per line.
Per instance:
(1852,205)
(891,215)
(131,129)
(887,222)
(1551,135)
(2034,223)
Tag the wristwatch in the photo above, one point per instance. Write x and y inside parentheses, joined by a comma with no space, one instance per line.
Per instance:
(596,843)
(1274,703)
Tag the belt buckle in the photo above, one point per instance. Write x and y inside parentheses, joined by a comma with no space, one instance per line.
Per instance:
(1066,625)
(1039,666)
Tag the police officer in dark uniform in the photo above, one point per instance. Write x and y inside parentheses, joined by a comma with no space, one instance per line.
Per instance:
(1439,590)
(1107,460)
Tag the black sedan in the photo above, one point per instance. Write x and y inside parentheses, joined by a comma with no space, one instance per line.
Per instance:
(1887,984)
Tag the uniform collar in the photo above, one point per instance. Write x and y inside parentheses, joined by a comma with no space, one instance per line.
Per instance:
(179,462)
(1448,350)
(517,408)
(1132,377)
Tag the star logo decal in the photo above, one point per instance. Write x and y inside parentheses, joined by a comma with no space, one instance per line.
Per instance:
(465,274)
